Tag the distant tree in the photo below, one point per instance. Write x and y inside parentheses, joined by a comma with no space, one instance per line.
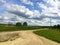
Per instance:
(58,26)
(55,26)
(18,24)
(25,24)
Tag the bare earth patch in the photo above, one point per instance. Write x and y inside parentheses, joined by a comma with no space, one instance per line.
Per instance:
(8,36)
(27,38)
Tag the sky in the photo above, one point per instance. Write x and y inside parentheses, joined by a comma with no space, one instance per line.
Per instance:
(34,12)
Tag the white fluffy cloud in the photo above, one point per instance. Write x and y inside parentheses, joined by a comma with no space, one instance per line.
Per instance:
(51,11)
(10,18)
(25,11)
(22,11)
(3,1)
(54,3)
(27,2)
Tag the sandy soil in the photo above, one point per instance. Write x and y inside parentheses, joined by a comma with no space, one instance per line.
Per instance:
(28,38)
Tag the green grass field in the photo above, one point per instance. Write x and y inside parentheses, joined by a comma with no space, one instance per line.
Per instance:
(18,28)
(50,34)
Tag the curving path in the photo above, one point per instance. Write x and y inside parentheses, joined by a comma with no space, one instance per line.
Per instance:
(28,38)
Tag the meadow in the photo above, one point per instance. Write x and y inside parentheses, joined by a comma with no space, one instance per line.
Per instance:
(52,34)
(18,28)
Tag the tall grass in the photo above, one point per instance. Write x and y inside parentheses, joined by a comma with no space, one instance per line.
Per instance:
(50,34)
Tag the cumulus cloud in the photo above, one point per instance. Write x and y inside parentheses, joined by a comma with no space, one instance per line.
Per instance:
(24,13)
(54,3)
(51,11)
(27,2)
(21,13)
(3,1)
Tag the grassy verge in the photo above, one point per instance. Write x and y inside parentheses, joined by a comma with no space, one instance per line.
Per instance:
(50,34)
(17,28)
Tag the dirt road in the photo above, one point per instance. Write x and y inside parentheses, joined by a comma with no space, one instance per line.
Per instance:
(29,38)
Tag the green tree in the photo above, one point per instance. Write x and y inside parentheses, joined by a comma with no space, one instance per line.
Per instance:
(18,24)
(55,26)
(25,24)
(58,26)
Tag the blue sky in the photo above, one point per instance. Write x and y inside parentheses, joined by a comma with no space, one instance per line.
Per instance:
(35,12)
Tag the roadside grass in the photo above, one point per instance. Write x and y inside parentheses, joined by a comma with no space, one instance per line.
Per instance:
(18,28)
(50,34)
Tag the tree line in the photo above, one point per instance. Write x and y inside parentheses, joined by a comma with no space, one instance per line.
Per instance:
(57,26)
(20,24)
